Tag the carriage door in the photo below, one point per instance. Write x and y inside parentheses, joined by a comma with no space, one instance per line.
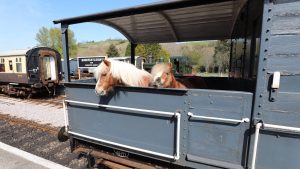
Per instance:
(49,68)
(218,125)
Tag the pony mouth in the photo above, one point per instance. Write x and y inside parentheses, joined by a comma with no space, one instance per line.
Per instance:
(158,85)
(101,93)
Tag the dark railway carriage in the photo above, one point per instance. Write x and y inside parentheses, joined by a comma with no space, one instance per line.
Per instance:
(30,71)
(250,119)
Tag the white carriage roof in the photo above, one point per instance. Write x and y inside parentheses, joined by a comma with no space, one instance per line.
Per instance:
(169,21)
(16,52)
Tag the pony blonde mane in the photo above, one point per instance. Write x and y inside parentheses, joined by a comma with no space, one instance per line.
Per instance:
(126,72)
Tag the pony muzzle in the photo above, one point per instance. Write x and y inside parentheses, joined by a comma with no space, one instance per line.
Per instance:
(101,93)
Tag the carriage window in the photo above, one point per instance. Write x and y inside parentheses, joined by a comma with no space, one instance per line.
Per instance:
(18,65)
(2,67)
(10,65)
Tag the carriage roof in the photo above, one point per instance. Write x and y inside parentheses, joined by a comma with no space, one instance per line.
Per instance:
(16,52)
(169,21)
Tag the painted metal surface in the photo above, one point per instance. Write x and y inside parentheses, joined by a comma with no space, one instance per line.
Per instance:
(280,50)
(219,141)
(128,121)
(143,121)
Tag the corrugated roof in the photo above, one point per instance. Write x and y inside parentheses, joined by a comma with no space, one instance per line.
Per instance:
(171,21)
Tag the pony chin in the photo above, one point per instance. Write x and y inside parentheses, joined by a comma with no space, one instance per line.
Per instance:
(101,92)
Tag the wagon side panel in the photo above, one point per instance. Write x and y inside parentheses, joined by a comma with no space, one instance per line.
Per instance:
(218,129)
(278,143)
(135,121)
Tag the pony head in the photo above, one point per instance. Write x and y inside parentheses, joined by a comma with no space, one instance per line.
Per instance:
(105,80)
(162,75)
(112,72)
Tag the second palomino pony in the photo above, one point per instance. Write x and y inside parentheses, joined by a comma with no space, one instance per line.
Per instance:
(111,73)
(163,76)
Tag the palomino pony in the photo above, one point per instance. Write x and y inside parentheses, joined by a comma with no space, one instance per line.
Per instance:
(111,73)
(164,78)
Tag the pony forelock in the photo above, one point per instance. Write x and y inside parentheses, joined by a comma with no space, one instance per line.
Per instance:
(159,68)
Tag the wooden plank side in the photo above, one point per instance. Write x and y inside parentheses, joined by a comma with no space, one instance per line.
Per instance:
(284,46)
(284,111)
(286,19)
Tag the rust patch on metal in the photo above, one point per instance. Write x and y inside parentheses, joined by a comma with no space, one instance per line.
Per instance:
(113,159)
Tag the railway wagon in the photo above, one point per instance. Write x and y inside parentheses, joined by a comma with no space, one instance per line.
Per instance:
(29,71)
(250,119)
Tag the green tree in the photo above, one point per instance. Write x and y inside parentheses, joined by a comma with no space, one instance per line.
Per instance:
(112,51)
(52,38)
(43,37)
(221,56)
(153,49)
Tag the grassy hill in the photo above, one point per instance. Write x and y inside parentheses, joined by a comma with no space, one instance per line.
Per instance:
(100,48)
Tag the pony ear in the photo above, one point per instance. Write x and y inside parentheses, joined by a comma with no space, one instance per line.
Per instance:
(106,62)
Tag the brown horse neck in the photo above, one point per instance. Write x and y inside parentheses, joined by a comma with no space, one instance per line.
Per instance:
(176,84)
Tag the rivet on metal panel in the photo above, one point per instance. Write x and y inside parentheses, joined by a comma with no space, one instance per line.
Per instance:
(264,69)
(211,102)
(259,113)
(268,20)
(267,31)
(265,58)
(259,105)
(260,95)
(269,10)
(267,39)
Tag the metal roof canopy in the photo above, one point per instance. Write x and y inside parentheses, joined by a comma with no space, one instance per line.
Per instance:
(169,21)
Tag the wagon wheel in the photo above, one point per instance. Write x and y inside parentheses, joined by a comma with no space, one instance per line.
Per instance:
(62,135)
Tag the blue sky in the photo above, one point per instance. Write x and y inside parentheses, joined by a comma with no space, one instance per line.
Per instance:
(21,19)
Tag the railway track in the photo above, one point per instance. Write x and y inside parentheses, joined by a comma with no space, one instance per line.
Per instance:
(38,139)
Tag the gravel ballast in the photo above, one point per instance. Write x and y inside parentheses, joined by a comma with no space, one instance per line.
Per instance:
(38,112)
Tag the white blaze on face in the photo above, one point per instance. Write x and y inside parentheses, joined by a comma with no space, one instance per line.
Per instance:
(101,69)
(158,79)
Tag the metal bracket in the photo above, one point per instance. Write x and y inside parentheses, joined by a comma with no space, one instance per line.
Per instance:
(274,86)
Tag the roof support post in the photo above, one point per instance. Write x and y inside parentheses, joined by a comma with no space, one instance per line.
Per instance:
(65,43)
(132,49)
